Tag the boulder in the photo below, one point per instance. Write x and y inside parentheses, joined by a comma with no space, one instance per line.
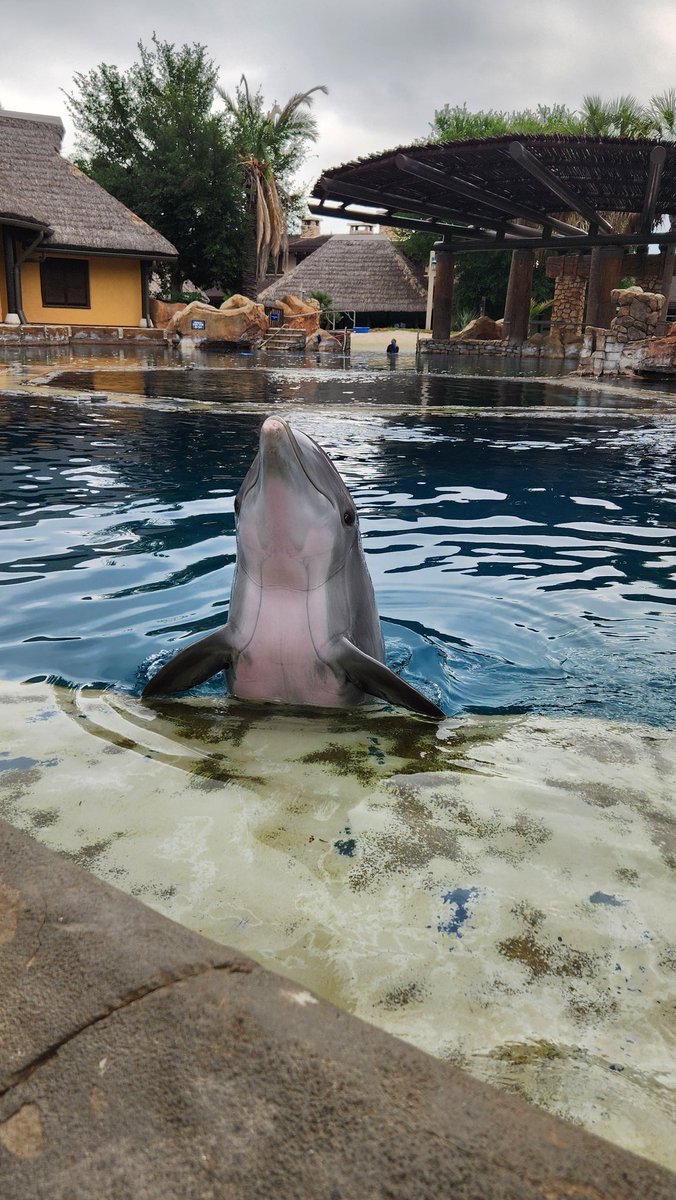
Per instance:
(657,357)
(237,319)
(551,346)
(328,343)
(626,295)
(299,314)
(481,329)
(161,312)
(535,341)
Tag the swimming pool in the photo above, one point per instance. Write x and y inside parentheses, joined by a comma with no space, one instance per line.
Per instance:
(521,562)
(499,890)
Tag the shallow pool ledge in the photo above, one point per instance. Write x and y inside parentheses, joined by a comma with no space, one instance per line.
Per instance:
(140,1058)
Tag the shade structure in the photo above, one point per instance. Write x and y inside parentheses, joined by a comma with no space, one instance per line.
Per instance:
(513,192)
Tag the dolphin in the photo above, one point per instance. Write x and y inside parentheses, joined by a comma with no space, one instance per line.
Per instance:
(303,627)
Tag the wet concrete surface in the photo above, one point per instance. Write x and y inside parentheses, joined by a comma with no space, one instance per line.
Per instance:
(141,1060)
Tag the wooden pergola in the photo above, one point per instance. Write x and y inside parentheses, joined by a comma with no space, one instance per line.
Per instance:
(521,194)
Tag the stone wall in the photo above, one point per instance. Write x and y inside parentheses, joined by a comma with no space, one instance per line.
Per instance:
(570,273)
(105,335)
(621,349)
(540,346)
(637,315)
(568,307)
(603,354)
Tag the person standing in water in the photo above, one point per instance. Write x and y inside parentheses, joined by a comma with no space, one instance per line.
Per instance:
(393,347)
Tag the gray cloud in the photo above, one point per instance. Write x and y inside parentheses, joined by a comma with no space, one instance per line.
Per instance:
(388,64)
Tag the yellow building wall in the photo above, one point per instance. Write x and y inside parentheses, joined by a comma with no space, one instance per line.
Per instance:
(3,281)
(114,294)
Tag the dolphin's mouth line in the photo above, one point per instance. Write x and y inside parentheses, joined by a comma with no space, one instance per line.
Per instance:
(299,457)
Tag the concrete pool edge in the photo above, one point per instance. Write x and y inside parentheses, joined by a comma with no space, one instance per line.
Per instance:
(141,1058)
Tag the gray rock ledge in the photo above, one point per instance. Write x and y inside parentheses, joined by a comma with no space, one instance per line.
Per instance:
(140,1060)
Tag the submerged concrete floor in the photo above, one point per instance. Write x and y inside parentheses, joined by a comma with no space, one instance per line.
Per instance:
(139,1060)
(498,892)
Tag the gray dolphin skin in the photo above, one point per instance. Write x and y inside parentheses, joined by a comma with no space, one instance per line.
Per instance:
(303,626)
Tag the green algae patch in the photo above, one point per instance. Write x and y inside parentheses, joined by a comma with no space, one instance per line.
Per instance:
(342,760)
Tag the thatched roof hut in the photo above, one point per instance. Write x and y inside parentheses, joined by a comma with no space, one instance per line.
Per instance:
(40,189)
(362,273)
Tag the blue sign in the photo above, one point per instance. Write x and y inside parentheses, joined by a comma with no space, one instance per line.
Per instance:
(274,317)
(198,324)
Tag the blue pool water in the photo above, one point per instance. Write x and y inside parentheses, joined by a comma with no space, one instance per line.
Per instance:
(522,561)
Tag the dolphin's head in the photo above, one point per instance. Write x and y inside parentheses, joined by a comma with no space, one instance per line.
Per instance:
(296,520)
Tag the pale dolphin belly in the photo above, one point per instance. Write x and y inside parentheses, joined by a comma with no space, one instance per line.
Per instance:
(280,661)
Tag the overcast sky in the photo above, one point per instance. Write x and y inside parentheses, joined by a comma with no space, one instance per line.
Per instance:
(388,64)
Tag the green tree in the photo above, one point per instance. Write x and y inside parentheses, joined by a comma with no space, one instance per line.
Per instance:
(325,304)
(457,123)
(270,145)
(622,117)
(149,136)
(662,109)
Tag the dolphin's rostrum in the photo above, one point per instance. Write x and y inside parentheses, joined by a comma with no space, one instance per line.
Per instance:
(303,627)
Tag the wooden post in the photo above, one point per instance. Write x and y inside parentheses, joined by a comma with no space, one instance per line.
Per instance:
(605,273)
(145,291)
(442,312)
(517,303)
(667,280)
(10,275)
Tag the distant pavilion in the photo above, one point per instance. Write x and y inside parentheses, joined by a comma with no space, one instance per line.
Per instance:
(523,194)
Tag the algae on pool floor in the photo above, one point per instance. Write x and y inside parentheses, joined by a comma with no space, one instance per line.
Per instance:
(474,892)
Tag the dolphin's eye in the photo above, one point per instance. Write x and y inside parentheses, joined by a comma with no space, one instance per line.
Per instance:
(237,506)
(349,516)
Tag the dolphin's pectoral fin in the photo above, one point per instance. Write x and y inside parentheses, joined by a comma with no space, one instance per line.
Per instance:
(376,679)
(191,666)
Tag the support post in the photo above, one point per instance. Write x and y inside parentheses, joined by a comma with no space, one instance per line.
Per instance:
(442,313)
(145,291)
(605,273)
(517,303)
(10,276)
(667,280)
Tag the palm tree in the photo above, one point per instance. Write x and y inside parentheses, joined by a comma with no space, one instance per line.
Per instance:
(270,145)
(662,109)
(622,117)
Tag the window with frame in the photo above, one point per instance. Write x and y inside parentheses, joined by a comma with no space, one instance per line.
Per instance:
(64,282)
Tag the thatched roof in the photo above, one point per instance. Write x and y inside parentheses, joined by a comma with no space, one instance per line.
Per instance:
(302,246)
(472,190)
(364,272)
(38,187)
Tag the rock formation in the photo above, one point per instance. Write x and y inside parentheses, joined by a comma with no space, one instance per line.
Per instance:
(637,313)
(657,357)
(237,319)
(483,329)
(299,314)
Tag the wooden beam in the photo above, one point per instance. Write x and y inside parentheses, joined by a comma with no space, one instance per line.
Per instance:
(429,226)
(560,243)
(409,204)
(466,240)
(451,183)
(656,165)
(570,199)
